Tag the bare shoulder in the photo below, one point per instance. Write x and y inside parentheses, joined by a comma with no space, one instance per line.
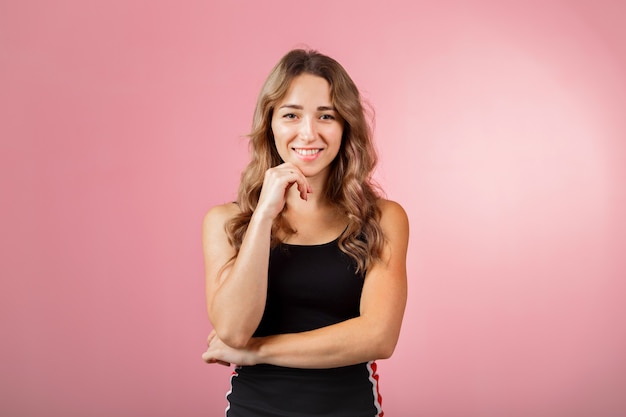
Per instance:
(216,218)
(392,216)
(395,224)
(216,246)
(221,214)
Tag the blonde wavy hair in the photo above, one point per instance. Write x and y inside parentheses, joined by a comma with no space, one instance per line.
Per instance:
(350,187)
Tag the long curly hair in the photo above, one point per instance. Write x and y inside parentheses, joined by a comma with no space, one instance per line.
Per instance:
(350,187)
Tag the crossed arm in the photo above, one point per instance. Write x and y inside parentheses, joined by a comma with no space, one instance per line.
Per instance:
(372,335)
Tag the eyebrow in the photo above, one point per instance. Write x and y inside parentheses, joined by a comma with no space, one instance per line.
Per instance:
(298,107)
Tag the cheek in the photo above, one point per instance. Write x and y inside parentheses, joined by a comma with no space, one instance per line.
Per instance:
(279,131)
(276,135)
(339,135)
(273,128)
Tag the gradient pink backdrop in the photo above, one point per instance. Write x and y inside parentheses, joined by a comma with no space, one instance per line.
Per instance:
(501,128)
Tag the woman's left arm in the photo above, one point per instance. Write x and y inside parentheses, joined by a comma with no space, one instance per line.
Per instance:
(373,335)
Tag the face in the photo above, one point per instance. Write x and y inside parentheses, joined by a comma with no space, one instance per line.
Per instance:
(307,129)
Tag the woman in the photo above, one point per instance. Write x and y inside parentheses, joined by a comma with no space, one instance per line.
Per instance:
(306,272)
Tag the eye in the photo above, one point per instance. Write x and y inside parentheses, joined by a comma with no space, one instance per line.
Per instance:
(289,116)
(327,117)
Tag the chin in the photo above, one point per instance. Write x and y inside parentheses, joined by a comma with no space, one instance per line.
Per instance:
(310,173)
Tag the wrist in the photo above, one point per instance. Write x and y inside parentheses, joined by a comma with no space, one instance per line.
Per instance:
(262,217)
(256,350)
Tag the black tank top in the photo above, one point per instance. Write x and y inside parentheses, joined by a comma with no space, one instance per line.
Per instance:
(308,287)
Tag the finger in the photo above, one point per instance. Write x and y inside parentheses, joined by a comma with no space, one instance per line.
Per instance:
(302,183)
(295,176)
(206,357)
(305,189)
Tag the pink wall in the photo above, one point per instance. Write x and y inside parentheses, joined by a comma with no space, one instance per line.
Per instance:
(501,130)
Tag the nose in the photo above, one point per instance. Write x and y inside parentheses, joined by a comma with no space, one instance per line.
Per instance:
(307,129)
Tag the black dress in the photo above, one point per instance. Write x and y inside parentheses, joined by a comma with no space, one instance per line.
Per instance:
(308,287)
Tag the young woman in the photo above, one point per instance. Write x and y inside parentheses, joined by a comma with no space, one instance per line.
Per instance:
(306,272)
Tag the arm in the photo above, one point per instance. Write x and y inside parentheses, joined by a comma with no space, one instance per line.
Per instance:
(235,291)
(372,335)
(236,288)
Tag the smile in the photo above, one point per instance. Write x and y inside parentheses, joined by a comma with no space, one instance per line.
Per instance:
(307,152)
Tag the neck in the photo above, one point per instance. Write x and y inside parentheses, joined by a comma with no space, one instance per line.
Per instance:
(315,200)
(313,220)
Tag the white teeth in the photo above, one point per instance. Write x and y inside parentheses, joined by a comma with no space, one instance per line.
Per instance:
(306,152)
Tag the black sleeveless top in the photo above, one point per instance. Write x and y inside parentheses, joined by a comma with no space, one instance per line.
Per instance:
(308,287)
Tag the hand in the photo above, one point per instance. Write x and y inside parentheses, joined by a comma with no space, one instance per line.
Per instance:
(220,353)
(276,184)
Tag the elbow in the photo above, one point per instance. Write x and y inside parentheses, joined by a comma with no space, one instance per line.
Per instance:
(386,342)
(236,340)
(385,349)
(232,334)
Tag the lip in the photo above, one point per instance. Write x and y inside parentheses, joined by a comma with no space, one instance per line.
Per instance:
(307,157)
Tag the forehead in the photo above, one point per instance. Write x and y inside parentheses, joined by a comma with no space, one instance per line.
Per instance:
(308,88)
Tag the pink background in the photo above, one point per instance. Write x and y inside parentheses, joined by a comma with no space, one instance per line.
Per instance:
(501,130)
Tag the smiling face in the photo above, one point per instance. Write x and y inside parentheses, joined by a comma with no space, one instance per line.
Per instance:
(307,129)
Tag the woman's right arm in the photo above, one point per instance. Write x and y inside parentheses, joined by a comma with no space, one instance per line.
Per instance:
(236,291)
